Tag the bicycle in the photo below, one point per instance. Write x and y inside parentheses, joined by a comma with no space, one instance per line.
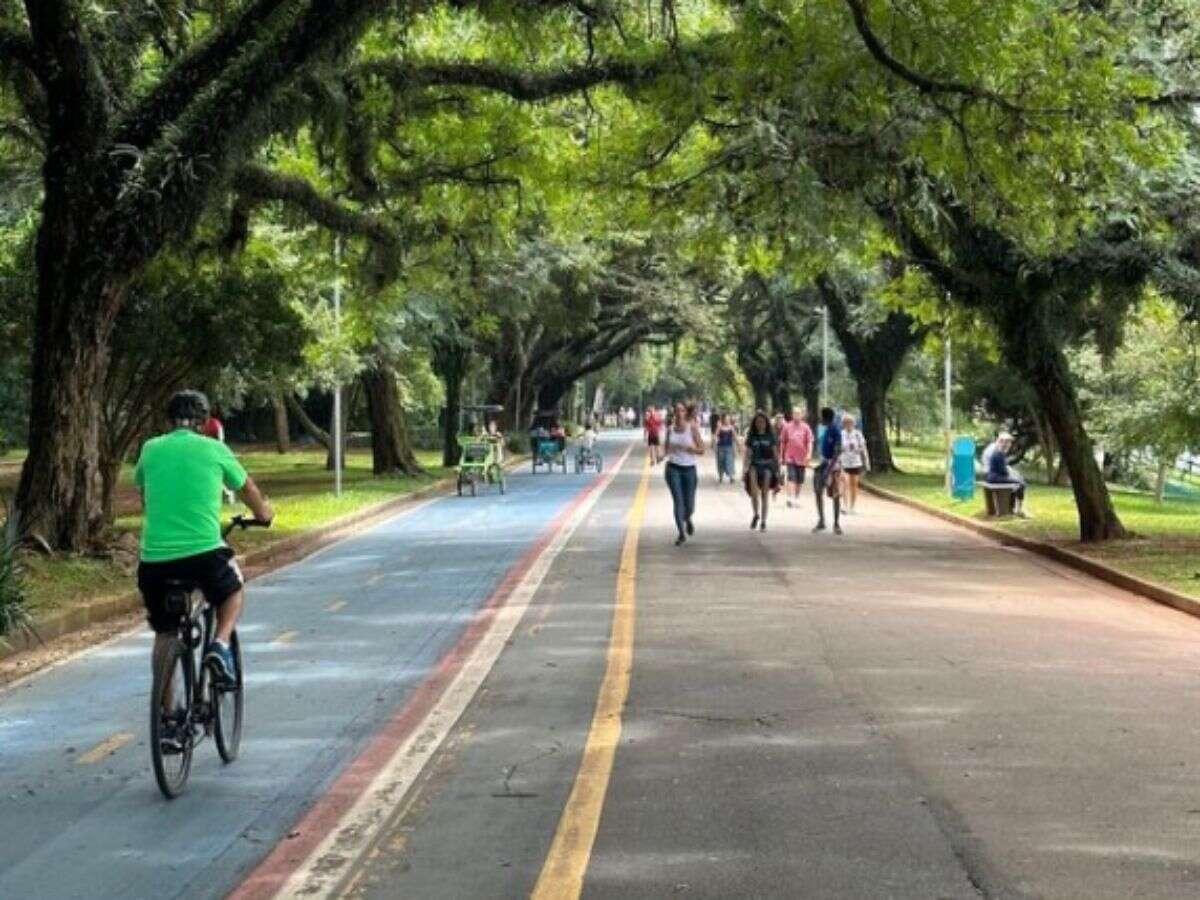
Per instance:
(188,702)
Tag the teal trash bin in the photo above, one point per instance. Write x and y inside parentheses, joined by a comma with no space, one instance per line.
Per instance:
(962,468)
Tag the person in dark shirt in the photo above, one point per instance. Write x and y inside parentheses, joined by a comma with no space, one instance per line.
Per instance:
(828,477)
(1000,472)
(761,467)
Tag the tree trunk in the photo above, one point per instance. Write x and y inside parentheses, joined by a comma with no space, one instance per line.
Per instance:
(60,494)
(782,399)
(391,451)
(871,403)
(1098,519)
(283,437)
(450,361)
(315,431)
(1160,480)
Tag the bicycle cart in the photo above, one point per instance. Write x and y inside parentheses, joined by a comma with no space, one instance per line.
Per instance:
(481,460)
(188,702)
(588,459)
(547,442)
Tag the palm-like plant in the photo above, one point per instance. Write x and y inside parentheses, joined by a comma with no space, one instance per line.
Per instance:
(14,594)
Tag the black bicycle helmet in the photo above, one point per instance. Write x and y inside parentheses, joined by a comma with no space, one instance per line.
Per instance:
(188,406)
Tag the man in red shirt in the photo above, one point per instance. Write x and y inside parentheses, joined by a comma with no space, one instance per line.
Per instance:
(653,430)
(795,446)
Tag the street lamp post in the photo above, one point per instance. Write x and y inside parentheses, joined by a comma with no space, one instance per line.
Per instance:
(824,355)
(337,387)
(949,419)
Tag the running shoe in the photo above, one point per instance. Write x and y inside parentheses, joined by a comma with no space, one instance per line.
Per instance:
(820,526)
(220,659)
(754,523)
(837,529)
(691,529)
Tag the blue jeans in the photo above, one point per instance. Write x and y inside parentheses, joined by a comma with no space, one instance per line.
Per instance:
(725,458)
(681,480)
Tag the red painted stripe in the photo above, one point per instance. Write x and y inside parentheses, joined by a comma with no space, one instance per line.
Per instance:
(269,876)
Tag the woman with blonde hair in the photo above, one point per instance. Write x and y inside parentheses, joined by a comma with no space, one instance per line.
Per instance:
(855,460)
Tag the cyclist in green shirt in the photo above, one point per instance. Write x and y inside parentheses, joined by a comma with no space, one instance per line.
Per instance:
(180,476)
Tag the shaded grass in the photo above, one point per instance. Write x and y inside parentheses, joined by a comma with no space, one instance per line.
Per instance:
(1166,548)
(300,490)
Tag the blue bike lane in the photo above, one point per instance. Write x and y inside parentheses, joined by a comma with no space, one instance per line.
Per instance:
(334,645)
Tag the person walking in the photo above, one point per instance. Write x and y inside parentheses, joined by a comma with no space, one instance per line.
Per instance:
(684,444)
(761,468)
(795,447)
(827,478)
(652,427)
(855,461)
(725,437)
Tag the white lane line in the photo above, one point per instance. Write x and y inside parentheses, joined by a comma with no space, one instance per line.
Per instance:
(321,875)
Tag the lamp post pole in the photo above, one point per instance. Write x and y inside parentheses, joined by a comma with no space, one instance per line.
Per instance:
(824,355)
(337,387)
(949,414)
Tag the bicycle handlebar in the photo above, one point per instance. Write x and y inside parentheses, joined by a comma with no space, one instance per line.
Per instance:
(242,522)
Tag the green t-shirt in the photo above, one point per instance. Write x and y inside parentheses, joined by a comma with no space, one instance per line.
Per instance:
(181,475)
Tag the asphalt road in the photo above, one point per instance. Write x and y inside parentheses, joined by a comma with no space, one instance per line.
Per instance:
(907,711)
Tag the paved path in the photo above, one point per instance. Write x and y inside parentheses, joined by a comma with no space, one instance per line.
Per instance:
(334,644)
(908,711)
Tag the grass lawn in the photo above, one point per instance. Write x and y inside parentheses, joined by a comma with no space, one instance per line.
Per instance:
(1166,549)
(298,485)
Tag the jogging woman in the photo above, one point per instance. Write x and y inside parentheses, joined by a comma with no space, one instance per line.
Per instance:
(855,460)
(683,445)
(761,466)
(725,437)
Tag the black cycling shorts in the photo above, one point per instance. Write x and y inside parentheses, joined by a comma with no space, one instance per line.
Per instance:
(214,573)
(796,473)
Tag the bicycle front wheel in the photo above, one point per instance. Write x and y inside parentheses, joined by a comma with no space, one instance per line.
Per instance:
(228,706)
(171,738)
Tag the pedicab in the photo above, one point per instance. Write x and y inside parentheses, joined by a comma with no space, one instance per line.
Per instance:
(481,460)
(547,442)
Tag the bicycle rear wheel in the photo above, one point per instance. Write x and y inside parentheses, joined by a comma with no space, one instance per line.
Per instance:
(171,739)
(228,705)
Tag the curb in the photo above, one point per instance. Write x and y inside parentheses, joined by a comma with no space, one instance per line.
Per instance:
(261,562)
(1077,561)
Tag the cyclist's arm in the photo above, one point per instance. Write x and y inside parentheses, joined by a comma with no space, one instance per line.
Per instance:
(253,498)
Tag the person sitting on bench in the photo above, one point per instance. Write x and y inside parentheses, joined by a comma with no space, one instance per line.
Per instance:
(1000,472)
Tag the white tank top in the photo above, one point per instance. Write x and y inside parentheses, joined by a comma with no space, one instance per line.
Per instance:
(681,446)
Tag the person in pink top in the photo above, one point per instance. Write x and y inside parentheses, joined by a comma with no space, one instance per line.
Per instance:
(795,447)
(652,427)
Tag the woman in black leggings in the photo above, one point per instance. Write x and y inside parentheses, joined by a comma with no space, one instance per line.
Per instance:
(761,466)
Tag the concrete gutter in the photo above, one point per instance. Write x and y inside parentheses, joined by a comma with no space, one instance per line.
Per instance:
(1148,589)
(258,562)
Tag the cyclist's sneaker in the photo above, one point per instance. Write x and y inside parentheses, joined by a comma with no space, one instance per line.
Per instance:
(220,659)
(172,738)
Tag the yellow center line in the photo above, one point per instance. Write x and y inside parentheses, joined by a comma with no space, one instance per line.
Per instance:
(335,606)
(567,862)
(286,638)
(104,749)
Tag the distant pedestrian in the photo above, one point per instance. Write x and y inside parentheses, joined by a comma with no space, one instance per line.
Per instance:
(725,437)
(795,446)
(652,428)
(827,479)
(855,460)
(684,444)
(761,468)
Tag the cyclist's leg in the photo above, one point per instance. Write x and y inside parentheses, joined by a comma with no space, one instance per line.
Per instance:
(228,613)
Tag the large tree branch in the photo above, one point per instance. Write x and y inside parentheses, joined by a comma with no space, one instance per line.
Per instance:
(923,83)
(524,86)
(259,184)
(171,96)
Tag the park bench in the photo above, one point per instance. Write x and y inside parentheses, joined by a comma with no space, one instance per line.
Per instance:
(999,499)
